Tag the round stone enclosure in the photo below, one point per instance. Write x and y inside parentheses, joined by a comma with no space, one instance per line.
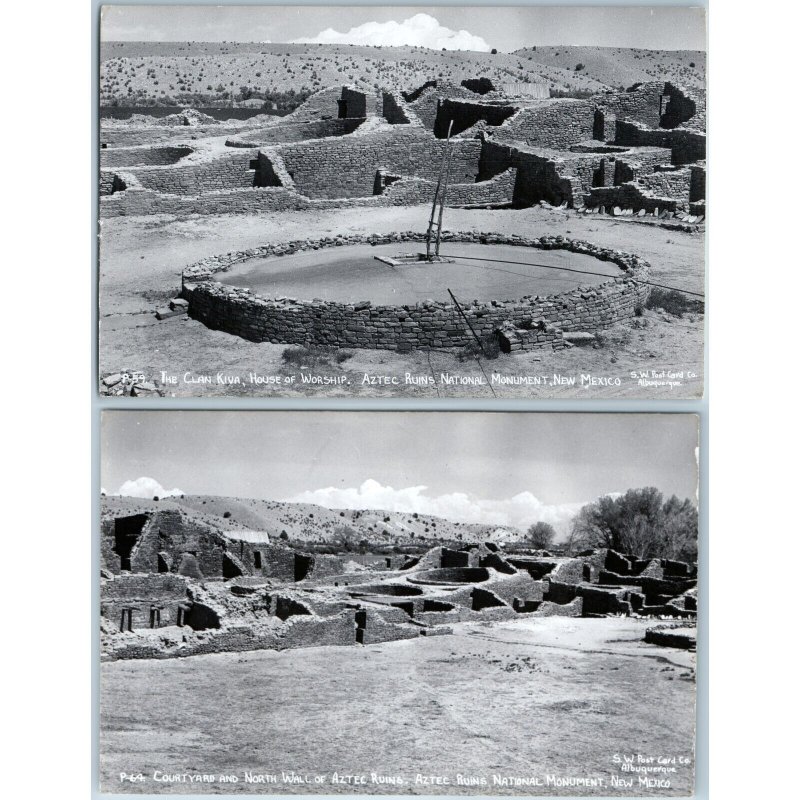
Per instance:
(557,285)
(388,589)
(451,575)
(482,271)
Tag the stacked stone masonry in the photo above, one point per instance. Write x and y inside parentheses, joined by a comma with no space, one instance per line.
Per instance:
(612,149)
(428,325)
(147,615)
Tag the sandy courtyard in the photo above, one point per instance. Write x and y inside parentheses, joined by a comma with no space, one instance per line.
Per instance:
(555,705)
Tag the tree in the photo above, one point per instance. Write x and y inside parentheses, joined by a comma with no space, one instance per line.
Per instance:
(639,522)
(541,535)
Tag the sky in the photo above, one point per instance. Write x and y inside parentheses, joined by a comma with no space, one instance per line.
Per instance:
(497,468)
(457,27)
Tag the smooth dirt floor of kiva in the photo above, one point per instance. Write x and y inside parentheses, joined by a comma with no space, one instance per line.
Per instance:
(141,260)
(527,698)
(345,274)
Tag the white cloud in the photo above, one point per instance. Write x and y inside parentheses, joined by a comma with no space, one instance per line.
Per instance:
(421,30)
(146,488)
(519,511)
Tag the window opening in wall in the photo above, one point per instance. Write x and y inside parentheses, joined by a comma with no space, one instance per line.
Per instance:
(257,559)
(155,617)
(162,564)
(663,102)
(126,620)
(180,617)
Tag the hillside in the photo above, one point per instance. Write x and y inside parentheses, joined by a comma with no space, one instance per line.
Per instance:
(209,73)
(303,522)
(621,67)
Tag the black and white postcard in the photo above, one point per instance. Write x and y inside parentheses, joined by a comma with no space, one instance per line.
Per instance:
(398,603)
(422,202)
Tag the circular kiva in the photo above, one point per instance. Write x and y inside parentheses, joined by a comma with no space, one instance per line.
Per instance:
(451,576)
(388,589)
(559,285)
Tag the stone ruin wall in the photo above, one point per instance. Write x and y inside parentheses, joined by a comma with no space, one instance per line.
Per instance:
(429,325)
(686,146)
(673,184)
(246,615)
(464,114)
(143,156)
(232,171)
(297,132)
(137,201)
(168,542)
(346,171)
(394,110)
(554,124)
(138,594)
(345,167)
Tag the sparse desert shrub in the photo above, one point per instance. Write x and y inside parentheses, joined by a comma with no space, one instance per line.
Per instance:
(578,94)
(314,355)
(226,515)
(579,67)
(489,347)
(673,302)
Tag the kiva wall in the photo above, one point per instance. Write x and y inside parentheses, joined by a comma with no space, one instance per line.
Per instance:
(433,325)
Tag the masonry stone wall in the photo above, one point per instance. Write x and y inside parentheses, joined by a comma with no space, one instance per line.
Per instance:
(556,124)
(139,202)
(681,107)
(668,183)
(352,103)
(299,132)
(686,146)
(433,325)
(697,187)
(227,172)
(641,104)
(497,191)
(630,196)
(464,114)
(638,161)
(543,175)
(394,111)
(143,156)
(110,183)
(137,595)
(345,167)
(426,106)
(124,136)
(405,191)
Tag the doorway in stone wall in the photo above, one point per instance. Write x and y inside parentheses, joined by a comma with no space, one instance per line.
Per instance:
(302,566)
(127,531)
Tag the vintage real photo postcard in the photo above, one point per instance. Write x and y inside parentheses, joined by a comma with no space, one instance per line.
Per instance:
(402,201)
(398,603)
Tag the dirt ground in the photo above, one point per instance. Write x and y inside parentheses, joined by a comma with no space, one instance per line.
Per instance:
(547,705)
(141,260)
